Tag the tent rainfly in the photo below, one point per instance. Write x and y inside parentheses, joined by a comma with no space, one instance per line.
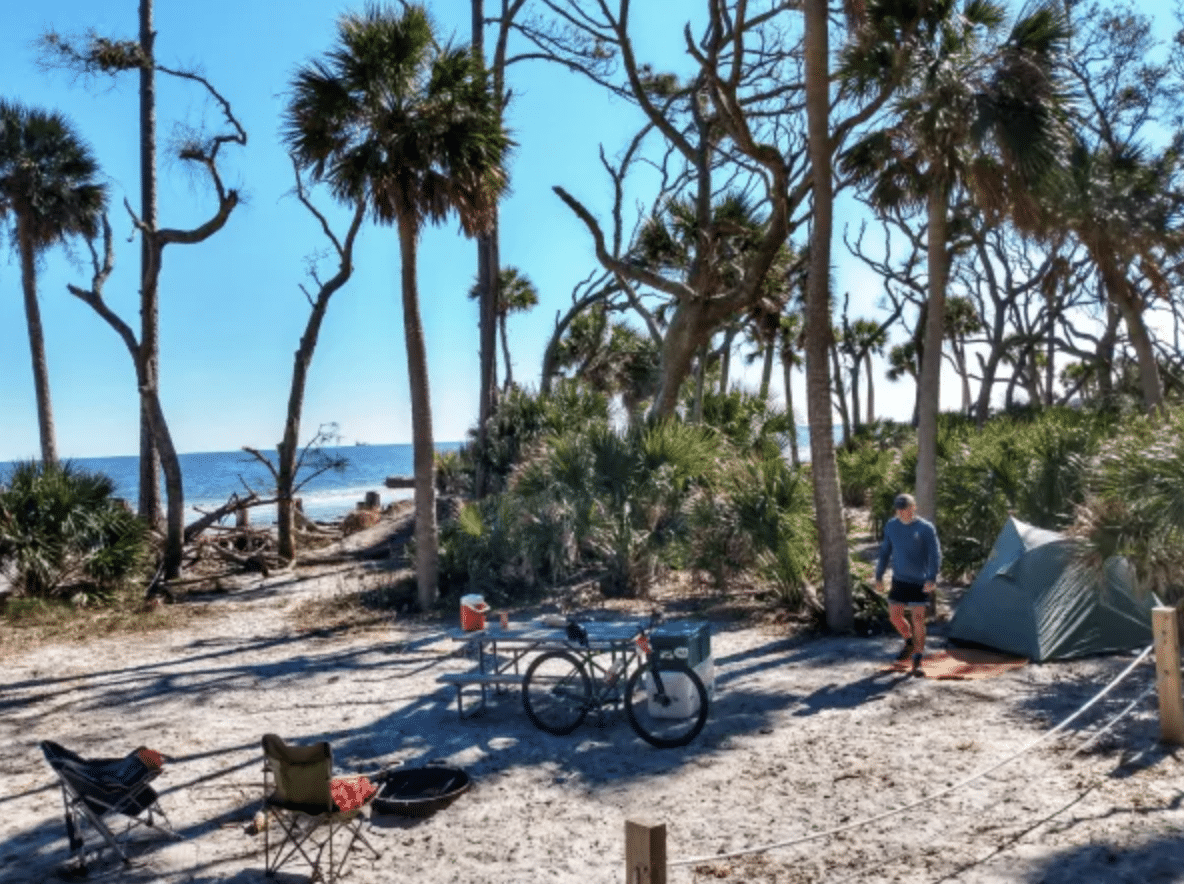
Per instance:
(1029,600)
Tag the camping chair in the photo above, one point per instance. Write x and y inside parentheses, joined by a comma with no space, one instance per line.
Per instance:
(310,806)
(106,787)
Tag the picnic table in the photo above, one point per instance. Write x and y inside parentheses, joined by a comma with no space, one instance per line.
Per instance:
(499,655)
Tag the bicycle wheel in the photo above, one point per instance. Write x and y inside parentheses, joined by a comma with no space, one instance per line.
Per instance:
(556,692)
(671,716)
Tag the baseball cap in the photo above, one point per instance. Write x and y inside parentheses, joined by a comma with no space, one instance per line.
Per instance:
(903,502)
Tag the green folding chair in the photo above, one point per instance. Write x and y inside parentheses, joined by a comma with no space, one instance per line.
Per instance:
(311,808)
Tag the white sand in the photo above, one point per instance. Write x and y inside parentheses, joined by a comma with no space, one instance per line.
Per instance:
(805,735)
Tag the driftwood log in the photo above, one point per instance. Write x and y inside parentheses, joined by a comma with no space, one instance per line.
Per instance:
(234,504)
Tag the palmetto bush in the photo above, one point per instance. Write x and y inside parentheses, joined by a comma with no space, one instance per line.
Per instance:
(481,551)
(747,422)
(756,519)
(637,490)
(1134,503)
(623,505)
(62,531)
(775,517)
(865,470)
(523,419)
(1030,465)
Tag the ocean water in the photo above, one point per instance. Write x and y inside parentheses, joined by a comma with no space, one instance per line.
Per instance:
(211,477)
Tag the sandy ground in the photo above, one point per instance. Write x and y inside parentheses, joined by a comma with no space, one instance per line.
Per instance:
(806,736)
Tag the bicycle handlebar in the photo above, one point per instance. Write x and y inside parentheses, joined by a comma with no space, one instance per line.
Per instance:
(578,633)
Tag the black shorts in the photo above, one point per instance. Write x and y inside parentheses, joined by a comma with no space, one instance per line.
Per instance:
(905,592)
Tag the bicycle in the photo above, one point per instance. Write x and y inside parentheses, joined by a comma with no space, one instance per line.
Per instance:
(666,706)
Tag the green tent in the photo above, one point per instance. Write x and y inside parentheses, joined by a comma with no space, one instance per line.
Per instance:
(1028,600)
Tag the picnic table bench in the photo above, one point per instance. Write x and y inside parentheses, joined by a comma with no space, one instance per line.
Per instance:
(500,653)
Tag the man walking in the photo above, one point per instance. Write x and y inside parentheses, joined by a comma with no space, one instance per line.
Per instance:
(911,544)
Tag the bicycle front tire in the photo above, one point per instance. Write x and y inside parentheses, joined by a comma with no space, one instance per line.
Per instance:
(657,715)
(556,692)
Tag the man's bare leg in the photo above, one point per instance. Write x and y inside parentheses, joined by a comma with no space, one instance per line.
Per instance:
(918,613)
(896,614)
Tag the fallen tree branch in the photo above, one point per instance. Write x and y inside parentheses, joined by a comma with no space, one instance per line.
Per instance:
(232,505)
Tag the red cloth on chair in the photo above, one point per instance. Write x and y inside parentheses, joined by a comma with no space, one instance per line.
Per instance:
(150,758)
(350,793)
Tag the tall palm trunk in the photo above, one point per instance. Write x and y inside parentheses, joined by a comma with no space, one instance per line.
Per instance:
(787,371)
(828,508)
(767,369)
(929,383)
(149,498)
(725,359)
(1103,364)
(856,405)
(427,554)
(488,261)
(871,390)
(964,376)
(509,381)
(840,395)
(49,445)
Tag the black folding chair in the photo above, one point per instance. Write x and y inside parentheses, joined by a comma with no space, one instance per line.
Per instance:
(98,789)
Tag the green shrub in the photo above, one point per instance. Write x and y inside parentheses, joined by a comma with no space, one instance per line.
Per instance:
(759,519)
(747,422)
(62,532)
(1134,503)
(1031,464)
(865,472)
(480,551)
(523,420)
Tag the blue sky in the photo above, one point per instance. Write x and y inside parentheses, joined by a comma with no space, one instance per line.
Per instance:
(231,308)
(232,312)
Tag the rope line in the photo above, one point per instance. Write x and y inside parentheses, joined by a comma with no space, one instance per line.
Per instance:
(1012,840)
(802,839)
(1117,718)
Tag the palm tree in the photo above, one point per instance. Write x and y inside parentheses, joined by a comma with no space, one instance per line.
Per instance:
(47,183)
(828,505)
(962,321)
(789,337)
(902,362)
(861,340)
(1106,184)
(973,112)
(515,294)
(392,118)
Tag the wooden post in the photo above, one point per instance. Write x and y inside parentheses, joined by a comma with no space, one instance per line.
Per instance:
(1167,668)
(645,852)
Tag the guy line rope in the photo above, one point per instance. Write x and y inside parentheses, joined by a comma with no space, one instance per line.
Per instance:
(814,836)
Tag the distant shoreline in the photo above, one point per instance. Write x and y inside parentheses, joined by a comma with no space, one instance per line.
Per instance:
(210,478)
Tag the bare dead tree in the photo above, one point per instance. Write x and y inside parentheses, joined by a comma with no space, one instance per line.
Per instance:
(203,153)
(289,464)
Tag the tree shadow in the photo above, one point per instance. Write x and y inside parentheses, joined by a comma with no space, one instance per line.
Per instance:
(219,785)
(1156,861)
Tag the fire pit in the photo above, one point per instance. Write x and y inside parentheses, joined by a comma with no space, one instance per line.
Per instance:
(420,791)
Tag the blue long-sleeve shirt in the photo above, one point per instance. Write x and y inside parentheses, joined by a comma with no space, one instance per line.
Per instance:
(913,549)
